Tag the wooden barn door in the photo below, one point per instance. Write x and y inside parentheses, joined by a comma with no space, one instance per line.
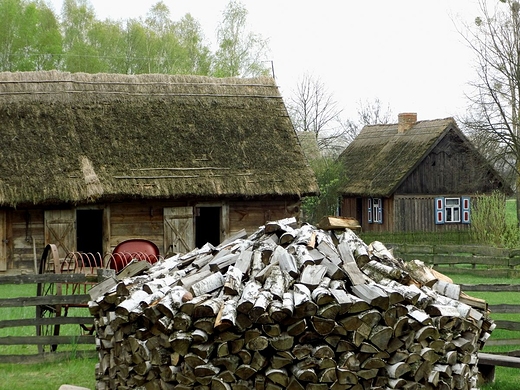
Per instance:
(3,242)
(179,232)
(60,230)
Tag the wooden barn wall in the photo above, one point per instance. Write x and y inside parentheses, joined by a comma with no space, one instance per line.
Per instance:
(349,209)
(451,168)
(25,238)
(136,220)
(417,214)
(126,220)
(251,215)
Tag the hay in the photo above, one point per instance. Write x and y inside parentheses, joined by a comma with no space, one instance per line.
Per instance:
(132,129)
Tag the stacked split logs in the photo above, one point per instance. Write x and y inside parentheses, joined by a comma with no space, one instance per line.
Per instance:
(288,308)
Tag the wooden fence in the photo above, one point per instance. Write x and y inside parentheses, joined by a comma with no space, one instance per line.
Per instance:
(500,309)
(477,260)
(482,260)
(52,320)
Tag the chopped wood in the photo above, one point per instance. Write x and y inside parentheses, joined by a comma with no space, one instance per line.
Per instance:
(288,307)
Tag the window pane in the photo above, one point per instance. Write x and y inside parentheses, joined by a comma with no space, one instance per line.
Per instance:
(452,201)
(456,215)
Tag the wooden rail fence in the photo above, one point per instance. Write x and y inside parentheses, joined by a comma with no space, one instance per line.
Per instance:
(75,317)
(482,260)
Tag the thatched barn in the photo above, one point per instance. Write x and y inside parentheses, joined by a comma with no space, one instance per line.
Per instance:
(415,176)
(91,160)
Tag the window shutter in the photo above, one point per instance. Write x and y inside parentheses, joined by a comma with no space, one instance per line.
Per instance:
(370,218)
(380,211)
(466,209)
(439,211)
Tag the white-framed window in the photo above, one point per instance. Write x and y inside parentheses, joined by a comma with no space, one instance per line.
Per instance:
(452,210)
(375,210)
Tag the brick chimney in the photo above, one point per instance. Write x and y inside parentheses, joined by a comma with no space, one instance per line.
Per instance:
(405,121)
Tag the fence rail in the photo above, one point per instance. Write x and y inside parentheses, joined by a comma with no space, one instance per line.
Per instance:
(482,260)
(477,260)
(53,319)
(499,309)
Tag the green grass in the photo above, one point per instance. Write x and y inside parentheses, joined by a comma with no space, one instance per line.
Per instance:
(511,217)
(48,375)
(43,376)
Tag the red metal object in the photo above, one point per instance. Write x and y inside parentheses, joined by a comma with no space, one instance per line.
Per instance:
(134,249)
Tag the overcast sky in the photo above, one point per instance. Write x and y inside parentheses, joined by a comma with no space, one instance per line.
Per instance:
(406,53)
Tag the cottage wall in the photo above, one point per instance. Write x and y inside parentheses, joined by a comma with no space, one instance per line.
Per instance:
(358,208)
(450,168)
(417,214)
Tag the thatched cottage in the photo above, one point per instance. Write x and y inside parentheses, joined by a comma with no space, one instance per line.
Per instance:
(91,160)
(415,176)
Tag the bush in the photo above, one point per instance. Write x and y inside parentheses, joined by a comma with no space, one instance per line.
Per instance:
(330,176)
(490,223)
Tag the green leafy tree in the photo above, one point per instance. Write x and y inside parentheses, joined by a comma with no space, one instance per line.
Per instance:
(107,41)
(240,53)
(48,45)
(137,51)
(330,175)
(29,36)
(11,11)
(78,19)
(196,57)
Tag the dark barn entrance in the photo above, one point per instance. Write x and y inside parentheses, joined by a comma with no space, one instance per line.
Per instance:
(207,226)
(89,231)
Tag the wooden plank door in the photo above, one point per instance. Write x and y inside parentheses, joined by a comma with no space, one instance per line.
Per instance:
(60,230)
(179,234)
(3,242)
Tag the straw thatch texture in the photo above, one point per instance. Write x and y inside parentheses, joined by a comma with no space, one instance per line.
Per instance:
(379,159)
(75,137)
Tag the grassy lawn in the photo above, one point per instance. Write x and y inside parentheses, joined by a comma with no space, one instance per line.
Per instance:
(43,376)
(47,375)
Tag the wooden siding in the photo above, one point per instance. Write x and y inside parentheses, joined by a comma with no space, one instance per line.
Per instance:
(450,168)
(25,238)
(136,220)
(25,229)
(349,208)
(417,213)
(251,215)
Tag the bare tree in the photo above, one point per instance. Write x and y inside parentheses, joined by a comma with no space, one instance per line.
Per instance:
(495,41)
(313,109)
(370,112)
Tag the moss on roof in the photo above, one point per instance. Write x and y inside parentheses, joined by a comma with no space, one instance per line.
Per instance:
(379,159)
(79,137)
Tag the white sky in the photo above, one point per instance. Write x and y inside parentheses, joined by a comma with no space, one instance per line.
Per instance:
(407,53)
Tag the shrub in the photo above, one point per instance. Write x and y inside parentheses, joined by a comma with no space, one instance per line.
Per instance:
(490,223)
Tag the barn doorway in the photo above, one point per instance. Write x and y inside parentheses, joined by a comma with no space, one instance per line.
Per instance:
(207,226)
(89,231)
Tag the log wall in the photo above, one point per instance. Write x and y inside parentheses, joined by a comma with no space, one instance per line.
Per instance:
(126,220)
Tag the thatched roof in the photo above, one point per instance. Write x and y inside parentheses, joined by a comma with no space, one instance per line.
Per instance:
(78,137)
(380,158)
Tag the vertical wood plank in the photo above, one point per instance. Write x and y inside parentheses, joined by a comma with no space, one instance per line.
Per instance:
(3,242)
(179,232)
(60,229)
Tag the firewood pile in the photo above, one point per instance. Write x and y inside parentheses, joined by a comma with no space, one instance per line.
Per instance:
(292,308)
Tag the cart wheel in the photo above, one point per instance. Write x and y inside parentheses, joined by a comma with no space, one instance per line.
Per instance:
(49,264)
